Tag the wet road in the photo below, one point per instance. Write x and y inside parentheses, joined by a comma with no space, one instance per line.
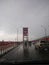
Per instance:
(18,55)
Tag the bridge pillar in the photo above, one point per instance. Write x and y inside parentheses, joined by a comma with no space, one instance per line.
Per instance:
(25,37)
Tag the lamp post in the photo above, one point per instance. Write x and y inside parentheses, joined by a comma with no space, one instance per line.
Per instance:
(45,31)
(17,35)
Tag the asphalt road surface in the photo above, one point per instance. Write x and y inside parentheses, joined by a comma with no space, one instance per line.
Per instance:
(18,55)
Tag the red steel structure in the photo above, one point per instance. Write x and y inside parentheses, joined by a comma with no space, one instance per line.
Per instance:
(25,33)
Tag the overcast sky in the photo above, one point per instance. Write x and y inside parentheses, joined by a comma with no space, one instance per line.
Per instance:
(16,14)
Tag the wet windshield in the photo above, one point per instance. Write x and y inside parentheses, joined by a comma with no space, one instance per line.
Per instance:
(23,23)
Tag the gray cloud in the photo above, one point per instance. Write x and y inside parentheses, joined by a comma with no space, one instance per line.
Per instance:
(20,13)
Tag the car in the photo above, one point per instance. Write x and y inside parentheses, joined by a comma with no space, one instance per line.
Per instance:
(42,46)
(29,43)
(25,45)
(37,45)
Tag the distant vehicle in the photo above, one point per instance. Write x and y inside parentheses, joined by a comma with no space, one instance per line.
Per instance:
(33,42)
(29,43)
(25,45)
(42,46)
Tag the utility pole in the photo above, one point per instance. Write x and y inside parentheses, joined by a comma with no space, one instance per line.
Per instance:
(44,31)
(17,35)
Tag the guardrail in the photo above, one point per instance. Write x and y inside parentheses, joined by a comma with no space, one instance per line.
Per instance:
(5,47)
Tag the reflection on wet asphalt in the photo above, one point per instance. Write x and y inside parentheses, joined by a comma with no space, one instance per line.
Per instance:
(19,54)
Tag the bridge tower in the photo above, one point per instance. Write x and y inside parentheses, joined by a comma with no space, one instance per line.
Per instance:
(25,37)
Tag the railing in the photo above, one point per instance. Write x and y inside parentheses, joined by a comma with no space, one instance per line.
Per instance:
(6,46)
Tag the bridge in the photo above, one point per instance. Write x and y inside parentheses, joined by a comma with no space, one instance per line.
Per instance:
(12,51)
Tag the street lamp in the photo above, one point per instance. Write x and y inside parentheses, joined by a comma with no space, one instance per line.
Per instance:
(44,30)
(17,35)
